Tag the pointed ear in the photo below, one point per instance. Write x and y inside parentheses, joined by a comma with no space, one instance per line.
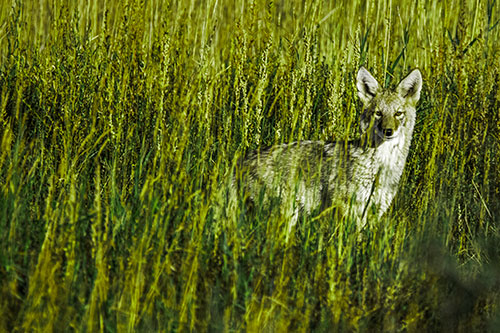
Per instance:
(409,88)
(367,86)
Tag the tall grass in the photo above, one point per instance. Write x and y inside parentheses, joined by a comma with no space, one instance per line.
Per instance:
(121,123)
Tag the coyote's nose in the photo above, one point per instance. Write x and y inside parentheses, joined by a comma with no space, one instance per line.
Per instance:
(388,132)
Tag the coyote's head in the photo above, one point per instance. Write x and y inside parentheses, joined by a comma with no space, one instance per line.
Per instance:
(387,112)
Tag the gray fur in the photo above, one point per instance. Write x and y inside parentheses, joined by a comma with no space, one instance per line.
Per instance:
(354,176)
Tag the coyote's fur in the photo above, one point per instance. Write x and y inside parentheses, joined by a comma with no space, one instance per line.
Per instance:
(358,176)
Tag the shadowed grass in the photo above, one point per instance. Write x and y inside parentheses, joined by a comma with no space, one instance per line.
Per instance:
(121,124)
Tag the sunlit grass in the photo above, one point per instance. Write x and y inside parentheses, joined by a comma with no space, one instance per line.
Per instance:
(121,125)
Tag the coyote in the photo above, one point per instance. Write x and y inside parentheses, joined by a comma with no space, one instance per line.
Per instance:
(356,177)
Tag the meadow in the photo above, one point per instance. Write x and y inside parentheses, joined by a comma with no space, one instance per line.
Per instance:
(122,121)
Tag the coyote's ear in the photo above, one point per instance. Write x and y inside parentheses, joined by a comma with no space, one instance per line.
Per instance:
(409,88)
(367,86)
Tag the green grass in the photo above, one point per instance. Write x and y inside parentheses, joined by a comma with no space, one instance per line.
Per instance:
(121,123)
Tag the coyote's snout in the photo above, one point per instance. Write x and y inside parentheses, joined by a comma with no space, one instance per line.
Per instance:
(355,176)
(388,109)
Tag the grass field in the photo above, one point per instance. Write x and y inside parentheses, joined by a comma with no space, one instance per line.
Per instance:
(121,123)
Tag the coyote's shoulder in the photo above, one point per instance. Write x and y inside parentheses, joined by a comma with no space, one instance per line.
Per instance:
(356,175)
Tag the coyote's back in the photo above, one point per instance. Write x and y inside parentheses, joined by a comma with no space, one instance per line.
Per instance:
(355,176)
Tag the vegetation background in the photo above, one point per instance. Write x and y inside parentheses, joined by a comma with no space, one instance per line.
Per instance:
(121,122)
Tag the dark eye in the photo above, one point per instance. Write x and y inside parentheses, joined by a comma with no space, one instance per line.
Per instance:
(398,114)
(378,114)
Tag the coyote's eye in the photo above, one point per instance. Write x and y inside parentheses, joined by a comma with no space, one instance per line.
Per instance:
(398,114)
